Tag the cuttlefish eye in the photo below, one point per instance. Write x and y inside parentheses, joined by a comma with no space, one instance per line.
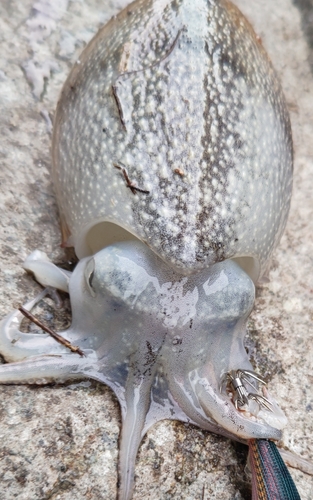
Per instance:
(89,276)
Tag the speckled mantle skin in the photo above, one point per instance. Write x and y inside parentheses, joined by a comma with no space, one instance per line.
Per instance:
(165,88)
(124,185)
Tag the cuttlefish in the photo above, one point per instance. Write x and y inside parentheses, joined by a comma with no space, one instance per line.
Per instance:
(172,167)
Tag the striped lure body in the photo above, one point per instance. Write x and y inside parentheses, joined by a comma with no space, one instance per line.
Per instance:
(271,479)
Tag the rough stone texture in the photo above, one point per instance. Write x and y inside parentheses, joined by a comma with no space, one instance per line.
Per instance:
(61,442)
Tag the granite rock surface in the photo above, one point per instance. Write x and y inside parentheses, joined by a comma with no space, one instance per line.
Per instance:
(60,442)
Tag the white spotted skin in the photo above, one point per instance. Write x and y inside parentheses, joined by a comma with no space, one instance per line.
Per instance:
(181,94)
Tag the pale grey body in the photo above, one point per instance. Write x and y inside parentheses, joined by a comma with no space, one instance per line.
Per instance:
(173,85)
(173,127)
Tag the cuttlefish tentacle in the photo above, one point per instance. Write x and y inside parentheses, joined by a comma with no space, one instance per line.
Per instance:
(207,407)
(137,402)
(17,345)
(48,368)
(38,358)
(45,272)
(236,423)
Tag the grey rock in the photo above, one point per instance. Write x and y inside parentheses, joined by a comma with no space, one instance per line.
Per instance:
(61,442)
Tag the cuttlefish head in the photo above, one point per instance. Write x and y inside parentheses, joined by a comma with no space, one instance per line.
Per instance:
(179,338)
